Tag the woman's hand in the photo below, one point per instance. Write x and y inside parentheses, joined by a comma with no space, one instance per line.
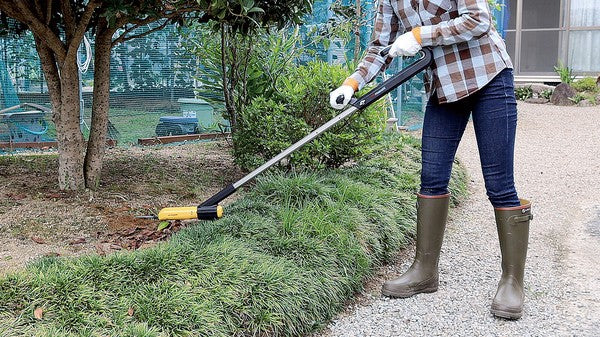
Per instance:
(346,92)
(405,45)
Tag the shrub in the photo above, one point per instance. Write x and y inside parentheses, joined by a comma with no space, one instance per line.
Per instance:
(523,93)
(586,84)
(300,104)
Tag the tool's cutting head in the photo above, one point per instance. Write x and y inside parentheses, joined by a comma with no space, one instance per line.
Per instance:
(187,213)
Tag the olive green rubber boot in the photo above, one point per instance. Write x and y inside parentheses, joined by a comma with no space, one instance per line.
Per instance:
(422,276)
(513,233)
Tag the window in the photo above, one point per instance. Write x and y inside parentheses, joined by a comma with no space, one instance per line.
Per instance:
(542,32)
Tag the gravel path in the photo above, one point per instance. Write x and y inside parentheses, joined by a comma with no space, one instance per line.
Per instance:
(558,169)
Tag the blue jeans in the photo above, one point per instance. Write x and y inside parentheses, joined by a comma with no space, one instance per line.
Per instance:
(494,111)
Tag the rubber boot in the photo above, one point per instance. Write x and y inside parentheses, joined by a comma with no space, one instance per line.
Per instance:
(422,276)
(513,232)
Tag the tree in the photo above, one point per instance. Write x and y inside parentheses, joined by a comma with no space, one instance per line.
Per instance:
(58,27)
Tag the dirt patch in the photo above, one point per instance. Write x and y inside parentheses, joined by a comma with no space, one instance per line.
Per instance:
(38,219)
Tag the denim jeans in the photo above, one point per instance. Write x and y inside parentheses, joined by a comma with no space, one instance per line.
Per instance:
(494,111)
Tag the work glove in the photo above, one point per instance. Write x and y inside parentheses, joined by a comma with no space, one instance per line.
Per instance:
(405,45)
(346,91)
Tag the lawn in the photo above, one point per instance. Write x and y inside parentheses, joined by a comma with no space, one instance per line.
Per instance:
(287,256)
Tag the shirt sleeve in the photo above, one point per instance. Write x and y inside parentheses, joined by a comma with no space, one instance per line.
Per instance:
(387,28)
(474,20)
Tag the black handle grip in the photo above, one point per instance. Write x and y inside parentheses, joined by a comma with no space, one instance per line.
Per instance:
(340,99)
(385,51)
(423,61)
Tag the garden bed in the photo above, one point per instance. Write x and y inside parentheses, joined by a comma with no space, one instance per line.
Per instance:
(288,255)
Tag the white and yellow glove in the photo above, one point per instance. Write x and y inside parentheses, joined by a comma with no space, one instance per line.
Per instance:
(407,44)
(346,91)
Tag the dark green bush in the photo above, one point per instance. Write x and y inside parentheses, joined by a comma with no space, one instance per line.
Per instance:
(301,104)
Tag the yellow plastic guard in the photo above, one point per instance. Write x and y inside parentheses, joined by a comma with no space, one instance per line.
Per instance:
(178,213)
(219,212)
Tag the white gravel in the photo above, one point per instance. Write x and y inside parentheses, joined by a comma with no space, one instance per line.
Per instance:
(558,169)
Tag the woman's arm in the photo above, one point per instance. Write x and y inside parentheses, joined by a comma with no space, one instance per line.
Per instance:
(474,20)
(387,29)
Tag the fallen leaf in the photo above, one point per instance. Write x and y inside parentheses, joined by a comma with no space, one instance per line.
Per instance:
(52,254)
(100,249)
(162,226)
(130,311)
(77,241)
(53,195)
(38,313)
(128,232)
(37,239)
(19,196)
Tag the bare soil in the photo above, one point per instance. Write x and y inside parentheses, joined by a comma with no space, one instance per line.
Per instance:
(38,219)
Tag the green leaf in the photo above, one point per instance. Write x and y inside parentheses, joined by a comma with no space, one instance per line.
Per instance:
(256,10)
(163,225)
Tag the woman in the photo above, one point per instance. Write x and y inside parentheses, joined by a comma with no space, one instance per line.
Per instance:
(471,76)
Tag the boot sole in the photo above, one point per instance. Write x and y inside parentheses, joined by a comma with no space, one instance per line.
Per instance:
(400,294)
(506,313)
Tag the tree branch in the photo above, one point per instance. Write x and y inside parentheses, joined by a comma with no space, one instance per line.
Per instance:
(124,38)
(10,10)
(38,8)
(26,16)
(48,12)
(166,14)
(82,27)
(135,24)
(69,17)
(51,73)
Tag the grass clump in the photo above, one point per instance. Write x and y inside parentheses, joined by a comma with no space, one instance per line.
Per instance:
(281,263)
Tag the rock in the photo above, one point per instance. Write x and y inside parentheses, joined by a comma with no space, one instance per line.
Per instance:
(537,100)
(598,83)
(585,103)
(561,95)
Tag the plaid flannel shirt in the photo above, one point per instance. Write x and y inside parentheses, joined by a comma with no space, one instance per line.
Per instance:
(468,51)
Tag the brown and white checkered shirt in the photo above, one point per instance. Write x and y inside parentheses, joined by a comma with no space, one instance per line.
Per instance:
(468,51)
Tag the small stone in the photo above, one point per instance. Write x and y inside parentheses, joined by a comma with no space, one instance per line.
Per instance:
(585,103)
(537,100)
(535,87)
(562,94)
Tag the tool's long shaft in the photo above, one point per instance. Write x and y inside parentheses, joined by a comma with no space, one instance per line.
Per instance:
(359,104)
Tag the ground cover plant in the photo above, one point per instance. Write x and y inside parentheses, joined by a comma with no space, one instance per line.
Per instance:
(288,255)
(586,89)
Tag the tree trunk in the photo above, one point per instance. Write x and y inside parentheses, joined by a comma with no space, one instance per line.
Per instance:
(100,107)
(63,89)
(68,133)
(357,31)
(227,69)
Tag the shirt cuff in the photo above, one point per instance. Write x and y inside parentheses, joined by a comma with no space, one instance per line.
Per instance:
(352,82)
(417,34)
(426,36)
